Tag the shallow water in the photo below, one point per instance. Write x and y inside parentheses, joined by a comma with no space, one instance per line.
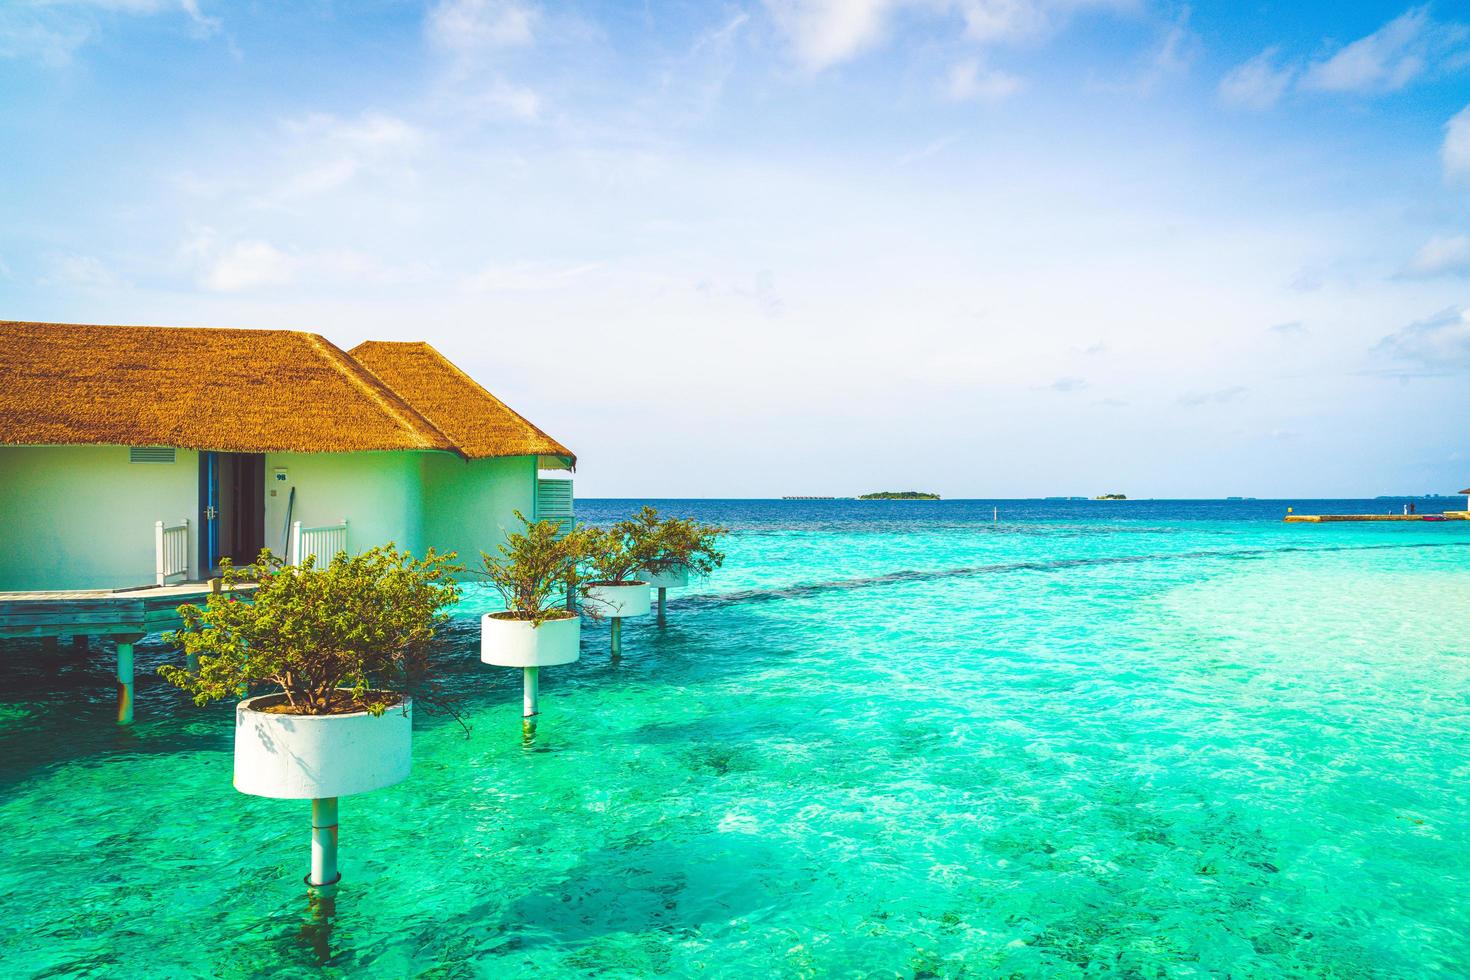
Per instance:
(897,739)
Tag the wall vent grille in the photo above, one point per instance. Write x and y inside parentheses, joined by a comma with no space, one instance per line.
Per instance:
(554,502)
(151,454)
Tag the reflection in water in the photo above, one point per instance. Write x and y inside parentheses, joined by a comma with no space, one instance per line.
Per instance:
(316,927)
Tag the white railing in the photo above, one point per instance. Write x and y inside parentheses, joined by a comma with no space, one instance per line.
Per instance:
(170,551)
(322,542)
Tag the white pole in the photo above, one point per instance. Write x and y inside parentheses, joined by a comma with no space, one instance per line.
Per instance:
(295,549)
(530,692)
(995,516)
(324,874)
(124,683)
(158,560)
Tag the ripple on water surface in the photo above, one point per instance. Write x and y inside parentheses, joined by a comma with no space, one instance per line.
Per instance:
(1128,743)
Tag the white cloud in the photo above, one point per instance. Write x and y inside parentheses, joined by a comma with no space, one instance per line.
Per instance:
(470,26)
(1384,61)
(1171,56)
(525,276)
(970,80)
(51,31)
(142,7)
(327,152)
(1439,343)
(1220,396)
(929,149)
(1016,20)
(1456,150)
(1258,83)
(79,272)
(502,98)
(247,264)
(825,32)
(1442,254)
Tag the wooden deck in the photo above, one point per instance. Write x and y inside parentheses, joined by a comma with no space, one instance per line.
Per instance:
(97,612)
(123,616)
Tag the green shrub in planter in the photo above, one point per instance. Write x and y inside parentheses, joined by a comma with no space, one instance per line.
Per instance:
(351,635)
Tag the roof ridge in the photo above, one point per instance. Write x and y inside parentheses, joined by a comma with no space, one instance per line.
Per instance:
(473,417)
(457,370)
(333,352)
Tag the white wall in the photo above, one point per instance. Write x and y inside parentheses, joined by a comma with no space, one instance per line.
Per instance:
(77,517)
(470,504)
(81,517)
(380,494)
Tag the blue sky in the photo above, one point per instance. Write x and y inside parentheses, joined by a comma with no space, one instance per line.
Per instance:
(984,247)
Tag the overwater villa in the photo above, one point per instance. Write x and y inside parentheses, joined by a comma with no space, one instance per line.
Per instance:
(133,459)
(221,442)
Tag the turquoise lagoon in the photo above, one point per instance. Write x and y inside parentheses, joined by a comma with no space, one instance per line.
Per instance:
(891,739)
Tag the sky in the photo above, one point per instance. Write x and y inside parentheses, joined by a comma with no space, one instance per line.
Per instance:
(739,249)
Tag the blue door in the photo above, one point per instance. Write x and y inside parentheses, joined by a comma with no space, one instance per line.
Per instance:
(208,512)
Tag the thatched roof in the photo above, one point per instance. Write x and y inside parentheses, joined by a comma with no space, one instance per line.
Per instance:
(478,423)
(201,388)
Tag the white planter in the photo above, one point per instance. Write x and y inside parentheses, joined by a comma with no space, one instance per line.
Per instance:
(675,578)
(312,757)
(625,599)
(516,643)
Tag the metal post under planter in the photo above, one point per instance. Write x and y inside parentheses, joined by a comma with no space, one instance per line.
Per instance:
(663,594)
(125,677)
(530,691)
(324,874)
(617,638)
(530,696)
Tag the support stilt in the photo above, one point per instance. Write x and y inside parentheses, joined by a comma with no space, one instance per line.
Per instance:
(617,638)
(79,641)
(49,644)
(530,692)
(662,594)
(324,874)
(125,681)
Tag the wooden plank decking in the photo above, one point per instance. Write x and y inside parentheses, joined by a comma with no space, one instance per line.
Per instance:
(97,612)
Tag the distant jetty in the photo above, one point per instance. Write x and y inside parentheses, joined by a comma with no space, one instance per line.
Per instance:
(900,495)
(1449,515)
(809,498)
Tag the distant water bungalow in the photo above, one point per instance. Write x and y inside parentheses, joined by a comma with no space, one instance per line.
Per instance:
(136,456)
(134,460)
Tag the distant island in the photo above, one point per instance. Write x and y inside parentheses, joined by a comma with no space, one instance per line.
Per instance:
(1111,496)
(900,495)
